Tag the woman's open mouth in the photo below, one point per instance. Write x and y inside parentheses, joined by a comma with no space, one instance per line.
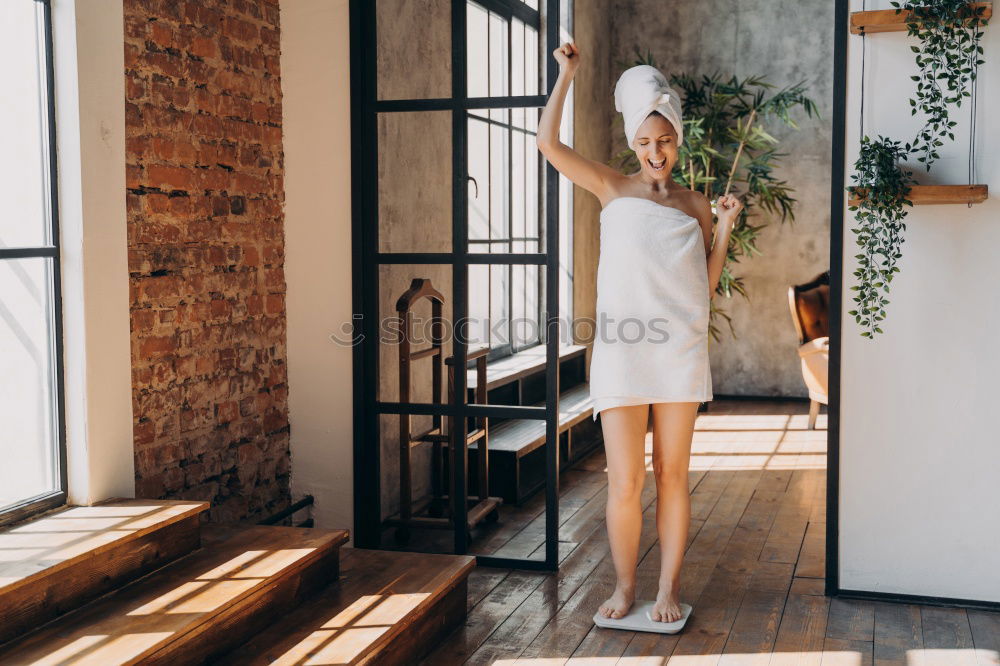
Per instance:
(658,166)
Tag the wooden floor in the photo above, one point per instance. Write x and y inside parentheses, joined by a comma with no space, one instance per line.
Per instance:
(753,569)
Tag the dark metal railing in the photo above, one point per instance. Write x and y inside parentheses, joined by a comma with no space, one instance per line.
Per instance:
(289,511)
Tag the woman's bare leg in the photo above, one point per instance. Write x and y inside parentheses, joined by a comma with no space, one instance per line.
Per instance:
(624,444)
(673,428)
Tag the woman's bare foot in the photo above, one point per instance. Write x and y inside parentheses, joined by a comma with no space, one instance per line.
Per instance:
(617,606)
(667,607)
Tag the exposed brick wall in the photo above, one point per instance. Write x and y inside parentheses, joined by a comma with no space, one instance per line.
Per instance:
(206,252)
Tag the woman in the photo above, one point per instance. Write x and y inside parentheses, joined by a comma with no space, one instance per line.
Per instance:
(657,260)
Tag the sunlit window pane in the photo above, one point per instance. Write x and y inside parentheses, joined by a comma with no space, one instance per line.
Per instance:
(477,45)
(499,62)
(504,164)
(30,445)
(28,388)
(479,303)
(25,221)
(499,293)
(530,61)
(518,312)
(479,179)
(499,182)
(517,58)
(517,182)
(532,227)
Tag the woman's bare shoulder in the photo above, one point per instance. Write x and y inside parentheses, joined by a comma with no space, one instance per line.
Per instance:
(617,185)
(696,204)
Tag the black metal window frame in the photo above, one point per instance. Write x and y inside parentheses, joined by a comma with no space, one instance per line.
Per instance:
(365,108)
(50,251)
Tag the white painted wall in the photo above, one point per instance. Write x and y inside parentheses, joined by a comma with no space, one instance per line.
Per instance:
(315,79)
(89,65)
(920,450)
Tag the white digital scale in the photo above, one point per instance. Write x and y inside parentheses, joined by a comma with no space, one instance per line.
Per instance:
(639,619)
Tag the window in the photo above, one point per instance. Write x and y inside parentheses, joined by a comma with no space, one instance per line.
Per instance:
(505,214)
(32,444)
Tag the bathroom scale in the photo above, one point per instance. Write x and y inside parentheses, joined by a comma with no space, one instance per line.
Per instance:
(638,619)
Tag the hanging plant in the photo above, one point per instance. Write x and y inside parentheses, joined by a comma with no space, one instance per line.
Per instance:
(949,50)
(726,147)
(881,186)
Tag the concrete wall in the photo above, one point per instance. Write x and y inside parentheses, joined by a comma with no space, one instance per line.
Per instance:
(690,37)
(918,494)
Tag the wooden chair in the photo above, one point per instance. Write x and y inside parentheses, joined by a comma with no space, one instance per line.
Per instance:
(438,504)
(810,306)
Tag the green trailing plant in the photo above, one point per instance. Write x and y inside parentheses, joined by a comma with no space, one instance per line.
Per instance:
(882,186)
(949,32)
(726,146)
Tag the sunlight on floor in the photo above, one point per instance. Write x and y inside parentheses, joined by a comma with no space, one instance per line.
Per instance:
(172,607)
(742,442)
(350,632)
(34,546)
(98,654)
(222,584)
(923,657)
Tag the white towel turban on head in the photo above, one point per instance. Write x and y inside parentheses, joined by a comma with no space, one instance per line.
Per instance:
(641,90)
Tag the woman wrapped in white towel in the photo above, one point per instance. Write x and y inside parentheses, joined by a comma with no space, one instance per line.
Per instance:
(657,271)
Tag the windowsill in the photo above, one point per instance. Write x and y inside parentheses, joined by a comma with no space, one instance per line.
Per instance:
(523,363)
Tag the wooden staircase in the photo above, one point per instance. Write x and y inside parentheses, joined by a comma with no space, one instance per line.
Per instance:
(130,582)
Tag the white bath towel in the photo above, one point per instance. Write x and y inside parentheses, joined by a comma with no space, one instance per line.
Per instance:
(651,342)
(640,91)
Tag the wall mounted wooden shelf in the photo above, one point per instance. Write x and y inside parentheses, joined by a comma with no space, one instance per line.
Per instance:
(942,194)
(887,20)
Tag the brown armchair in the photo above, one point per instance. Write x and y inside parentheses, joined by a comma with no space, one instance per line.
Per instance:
(810,306)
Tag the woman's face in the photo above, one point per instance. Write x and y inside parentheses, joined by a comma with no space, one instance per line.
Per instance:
(656,146)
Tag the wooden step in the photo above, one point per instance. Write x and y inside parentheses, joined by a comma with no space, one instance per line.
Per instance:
(195,608)
(53,564)
(387,608)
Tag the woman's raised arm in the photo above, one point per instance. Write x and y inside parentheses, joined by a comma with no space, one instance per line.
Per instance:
(589,174)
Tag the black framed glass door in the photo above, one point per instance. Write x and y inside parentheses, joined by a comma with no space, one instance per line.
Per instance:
(446,205)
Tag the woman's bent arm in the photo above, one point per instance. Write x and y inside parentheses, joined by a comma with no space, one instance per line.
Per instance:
(728,207)
(589,174)
(717,256)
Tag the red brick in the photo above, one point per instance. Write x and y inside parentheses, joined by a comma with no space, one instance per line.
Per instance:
(155,347)
(226,412)
(206,285)
(274,304)
(161,33)
(203,47)
(170,177)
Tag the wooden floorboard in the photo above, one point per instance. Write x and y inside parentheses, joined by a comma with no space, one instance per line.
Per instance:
(754,569)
